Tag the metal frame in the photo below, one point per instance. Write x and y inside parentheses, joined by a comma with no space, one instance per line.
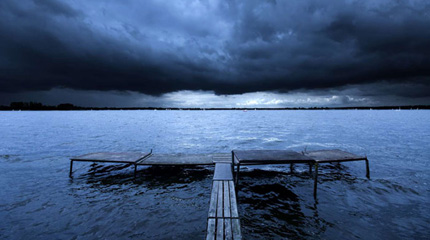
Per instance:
(267,162)
(315,163)
(338,161)
(135,163)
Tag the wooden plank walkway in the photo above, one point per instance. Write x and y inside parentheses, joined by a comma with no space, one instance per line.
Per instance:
(223,171)
(177,159)
(313,158)
(111,157)
(223,216)
(148,159)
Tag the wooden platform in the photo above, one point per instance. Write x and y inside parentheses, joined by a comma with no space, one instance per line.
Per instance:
(223,216)
(223,171)
(140,159)
(262,157)
(111,157)
(114,157)
(180,159)
(313,158)
(222,158)
(336,155)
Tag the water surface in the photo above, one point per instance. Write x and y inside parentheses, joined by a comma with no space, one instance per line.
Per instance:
(39,201)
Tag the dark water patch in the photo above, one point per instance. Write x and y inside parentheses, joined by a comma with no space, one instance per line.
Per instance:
(396,187)
(11,158)
(273,209)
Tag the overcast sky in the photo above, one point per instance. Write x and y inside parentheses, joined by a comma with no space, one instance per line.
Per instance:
(215,53)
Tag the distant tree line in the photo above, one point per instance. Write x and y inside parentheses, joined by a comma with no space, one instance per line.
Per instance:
(39,106)
(36,106)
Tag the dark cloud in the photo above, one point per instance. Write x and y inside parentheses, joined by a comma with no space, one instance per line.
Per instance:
(56,7)
(229,47)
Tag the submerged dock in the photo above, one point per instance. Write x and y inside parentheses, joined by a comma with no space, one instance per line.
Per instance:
(223,220)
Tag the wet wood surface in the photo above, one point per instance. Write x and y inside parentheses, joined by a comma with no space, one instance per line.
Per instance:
(248,157)
(223,171)
(211,229)
(180,159)
(222,158)
(116,157)
(223,217)
(335,155)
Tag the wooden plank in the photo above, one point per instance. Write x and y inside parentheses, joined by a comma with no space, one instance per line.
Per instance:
(233,201)
(223,171)
(214,199)
(178,159)
(211,229)
(335,155)
(114,157)
(220,228)
(226,200)
(270,157)
(220,205)
(228,234)
(222,158)
(235,225)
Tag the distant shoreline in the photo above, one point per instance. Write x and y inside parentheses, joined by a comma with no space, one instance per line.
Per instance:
(32,106)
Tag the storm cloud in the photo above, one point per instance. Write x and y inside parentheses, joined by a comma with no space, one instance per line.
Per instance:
(225,47)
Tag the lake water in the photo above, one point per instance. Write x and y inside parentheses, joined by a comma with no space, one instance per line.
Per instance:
(39,201)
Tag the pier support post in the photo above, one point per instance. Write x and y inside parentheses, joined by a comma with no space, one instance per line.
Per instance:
(71,168)
(237,173)
(367,169)
(232,163)
(315,180)
(291,168)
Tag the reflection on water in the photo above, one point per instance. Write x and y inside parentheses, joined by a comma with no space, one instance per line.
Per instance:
(39,201)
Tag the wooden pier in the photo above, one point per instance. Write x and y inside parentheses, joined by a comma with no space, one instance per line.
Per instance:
(223,217)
